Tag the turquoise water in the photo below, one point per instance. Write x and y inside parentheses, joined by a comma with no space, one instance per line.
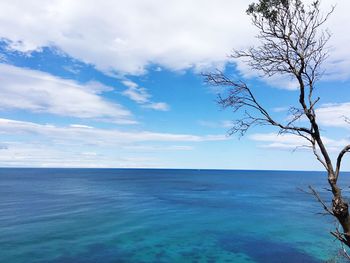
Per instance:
(135,215)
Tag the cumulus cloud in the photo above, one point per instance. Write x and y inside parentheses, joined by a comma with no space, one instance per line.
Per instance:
(40,92)
(126,36)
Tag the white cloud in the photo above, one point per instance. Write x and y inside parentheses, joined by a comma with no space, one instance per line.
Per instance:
(216,124)
(292,142)
(82,134)
(279,141)
(279,81)
(137,94)
(76,145)
(327,115)
(36,91)
(41,155)
(334,115)
(161,106)
(130,84)
(282,82)
(141,96)
(80,126)
(126,36)
(153,148)
(280,109)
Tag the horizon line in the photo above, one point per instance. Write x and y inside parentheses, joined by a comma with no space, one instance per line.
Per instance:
(157,168)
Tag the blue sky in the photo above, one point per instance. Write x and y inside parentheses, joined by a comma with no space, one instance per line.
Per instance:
(119,85)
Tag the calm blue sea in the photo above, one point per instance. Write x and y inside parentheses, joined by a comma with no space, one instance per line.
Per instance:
(150,215)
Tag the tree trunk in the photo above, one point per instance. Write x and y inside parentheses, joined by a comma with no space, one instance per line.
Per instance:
(340,208)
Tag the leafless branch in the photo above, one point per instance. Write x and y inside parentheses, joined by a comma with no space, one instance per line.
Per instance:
(339,159)
(240,96)
(325,207)
(340,236)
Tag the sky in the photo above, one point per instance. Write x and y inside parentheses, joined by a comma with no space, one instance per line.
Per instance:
(118,84)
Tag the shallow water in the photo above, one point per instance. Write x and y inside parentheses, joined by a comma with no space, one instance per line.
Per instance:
(135,215)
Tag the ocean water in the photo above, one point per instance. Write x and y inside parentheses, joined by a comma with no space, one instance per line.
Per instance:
(150,215)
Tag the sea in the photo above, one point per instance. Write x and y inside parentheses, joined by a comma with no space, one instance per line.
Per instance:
(164,215)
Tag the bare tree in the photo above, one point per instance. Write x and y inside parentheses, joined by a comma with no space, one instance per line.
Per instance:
(292,43)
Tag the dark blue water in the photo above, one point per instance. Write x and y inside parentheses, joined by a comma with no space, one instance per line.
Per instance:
(122,215)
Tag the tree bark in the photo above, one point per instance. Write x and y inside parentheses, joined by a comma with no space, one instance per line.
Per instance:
(340,208)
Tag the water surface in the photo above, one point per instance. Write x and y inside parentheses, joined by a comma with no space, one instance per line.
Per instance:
(150,215)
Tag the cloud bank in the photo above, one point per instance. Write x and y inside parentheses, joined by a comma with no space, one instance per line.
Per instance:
(89,135)
(126,36)
(39,92)
(27,143)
